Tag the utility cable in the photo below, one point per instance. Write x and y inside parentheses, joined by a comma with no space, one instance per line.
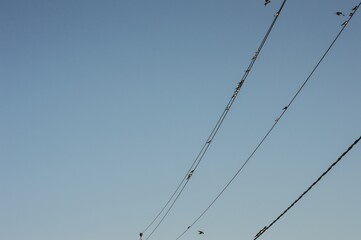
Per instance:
(210,138)
(275,123)
(236,92)
(308,189)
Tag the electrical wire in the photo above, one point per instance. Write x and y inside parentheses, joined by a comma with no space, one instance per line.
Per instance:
(250,66)
(308,189)
(274,124)
(210,138)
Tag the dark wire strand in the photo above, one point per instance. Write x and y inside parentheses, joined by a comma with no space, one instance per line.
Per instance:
(272,127)
(308,189)
(344,26)
(244,77)
(209,140)
(200,155)
(193,167)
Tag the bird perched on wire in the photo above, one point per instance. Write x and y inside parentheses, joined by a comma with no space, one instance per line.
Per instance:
(340,14)
(140,236)
(266,2)
(190,174)
(353,10)
(285,108)
(200,232)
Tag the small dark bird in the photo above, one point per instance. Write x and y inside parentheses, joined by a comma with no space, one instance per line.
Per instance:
(200,232)
(190,174)
(355,8)
(266,2)
(351,14)
(340,14)
(140,236)
(344,23)
(285,108)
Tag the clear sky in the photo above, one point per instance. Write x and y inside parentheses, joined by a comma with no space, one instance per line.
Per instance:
(105,104)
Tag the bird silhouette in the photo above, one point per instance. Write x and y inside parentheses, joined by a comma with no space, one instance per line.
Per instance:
(285,108)
(340,14)
(200,232)
(351,14)
(344,23)
(355,8)
(190,174)
(266,2)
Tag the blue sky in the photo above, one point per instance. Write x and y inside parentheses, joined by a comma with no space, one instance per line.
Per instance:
(105,104)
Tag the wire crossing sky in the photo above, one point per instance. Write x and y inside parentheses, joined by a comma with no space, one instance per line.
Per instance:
(308,189)
(213,133)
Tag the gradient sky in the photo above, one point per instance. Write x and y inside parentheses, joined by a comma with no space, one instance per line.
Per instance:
(105,104)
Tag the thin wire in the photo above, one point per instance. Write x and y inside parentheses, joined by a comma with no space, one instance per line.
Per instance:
(308,189)
(344,26)
(272,127)
(246,73)
(210,138)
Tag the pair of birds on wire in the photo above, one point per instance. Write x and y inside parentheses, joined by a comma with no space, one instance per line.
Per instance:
(340,14)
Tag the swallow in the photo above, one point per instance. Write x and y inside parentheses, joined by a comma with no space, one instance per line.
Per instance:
(266,2)
(340,14)
(140,236)
(351,14)
(355,8)
(190,174)
(200,232)
(285,108)
(344,23)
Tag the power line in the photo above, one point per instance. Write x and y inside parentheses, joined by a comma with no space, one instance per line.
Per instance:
(308,189)
(210,138)
(250,66)
(275,123)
